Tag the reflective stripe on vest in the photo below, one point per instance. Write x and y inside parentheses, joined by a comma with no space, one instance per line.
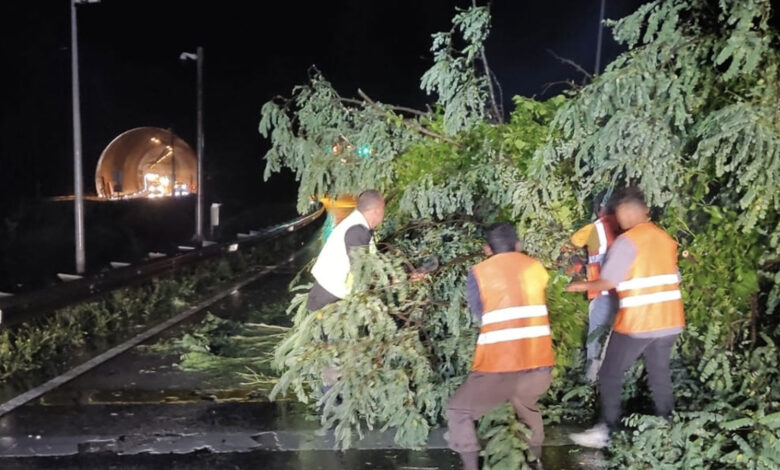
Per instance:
(647,299)
(605,230)
(650,299)
(514,313)
(511,334)
(515,332)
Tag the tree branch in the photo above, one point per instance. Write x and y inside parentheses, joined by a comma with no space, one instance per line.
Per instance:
(548,85)
(497,114)
(402,109)
(577,66)
(500,91)
(409,122)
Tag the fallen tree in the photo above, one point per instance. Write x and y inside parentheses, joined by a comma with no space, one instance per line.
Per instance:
(689,113)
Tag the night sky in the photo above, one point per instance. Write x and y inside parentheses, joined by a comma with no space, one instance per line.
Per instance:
(131,75)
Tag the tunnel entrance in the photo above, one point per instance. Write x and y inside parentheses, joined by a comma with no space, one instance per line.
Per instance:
(146,162)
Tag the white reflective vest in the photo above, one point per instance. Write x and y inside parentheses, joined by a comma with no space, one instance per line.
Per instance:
(331,270)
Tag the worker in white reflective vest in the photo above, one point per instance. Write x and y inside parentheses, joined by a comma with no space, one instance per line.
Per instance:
(597,237)
(642,266)
(331,271)
(513,358)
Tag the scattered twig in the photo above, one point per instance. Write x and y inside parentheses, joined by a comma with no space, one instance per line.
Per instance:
(265,325)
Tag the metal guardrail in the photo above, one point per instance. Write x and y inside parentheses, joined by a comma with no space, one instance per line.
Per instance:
(23,307)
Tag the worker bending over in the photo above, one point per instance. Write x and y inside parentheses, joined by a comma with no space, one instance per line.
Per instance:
(513,358)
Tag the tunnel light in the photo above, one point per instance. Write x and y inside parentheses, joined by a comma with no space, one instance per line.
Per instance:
(155,140)
(181,189)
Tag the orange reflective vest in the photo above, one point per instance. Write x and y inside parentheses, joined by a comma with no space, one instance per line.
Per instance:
(606,228)
(650,298)
(515,332)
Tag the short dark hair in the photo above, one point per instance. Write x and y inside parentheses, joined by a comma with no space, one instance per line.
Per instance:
(369,199)
(603,200)
(630,195)
(501,237)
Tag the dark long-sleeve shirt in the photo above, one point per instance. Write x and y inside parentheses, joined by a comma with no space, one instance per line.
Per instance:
(472,296)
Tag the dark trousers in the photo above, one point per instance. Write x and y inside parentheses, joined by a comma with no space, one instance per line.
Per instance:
(483,391)
(318,299)
(622,352)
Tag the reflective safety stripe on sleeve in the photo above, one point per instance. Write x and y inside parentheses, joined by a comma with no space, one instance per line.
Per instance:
(596,258)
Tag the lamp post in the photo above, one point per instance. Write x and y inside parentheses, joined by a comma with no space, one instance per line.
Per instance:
(597,69)
(78,180)
(198,57)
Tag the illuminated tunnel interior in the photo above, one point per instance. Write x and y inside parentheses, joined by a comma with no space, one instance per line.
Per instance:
(146,162)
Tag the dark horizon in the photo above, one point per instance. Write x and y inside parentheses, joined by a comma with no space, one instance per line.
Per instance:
(131,75)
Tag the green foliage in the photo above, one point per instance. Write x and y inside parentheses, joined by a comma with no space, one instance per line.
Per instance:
(691,108)
(462,91)
(394,342)
(44,343)
(730,417)
(721,263)
(689,113)
(317,134)
(504,448)
(47,343)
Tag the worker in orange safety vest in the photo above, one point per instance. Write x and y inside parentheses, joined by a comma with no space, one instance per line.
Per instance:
(597,237)
(642,266)
(513,358)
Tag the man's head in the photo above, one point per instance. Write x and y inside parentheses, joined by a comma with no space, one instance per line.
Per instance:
(372,205)
(501,238)
(603,205)
(630,207)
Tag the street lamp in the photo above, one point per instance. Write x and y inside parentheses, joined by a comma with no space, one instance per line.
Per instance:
(198,57)
(78,183)
(597,68)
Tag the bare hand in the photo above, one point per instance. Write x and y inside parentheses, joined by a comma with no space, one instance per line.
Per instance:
(576,287)
(417,276)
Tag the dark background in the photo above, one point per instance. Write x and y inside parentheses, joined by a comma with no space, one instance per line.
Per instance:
(131,75)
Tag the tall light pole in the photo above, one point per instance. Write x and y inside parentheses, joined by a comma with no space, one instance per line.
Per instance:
(78,183)
(198,57)
(597,69)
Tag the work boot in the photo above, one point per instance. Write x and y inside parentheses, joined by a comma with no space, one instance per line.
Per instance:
(596,437)
(536,465)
